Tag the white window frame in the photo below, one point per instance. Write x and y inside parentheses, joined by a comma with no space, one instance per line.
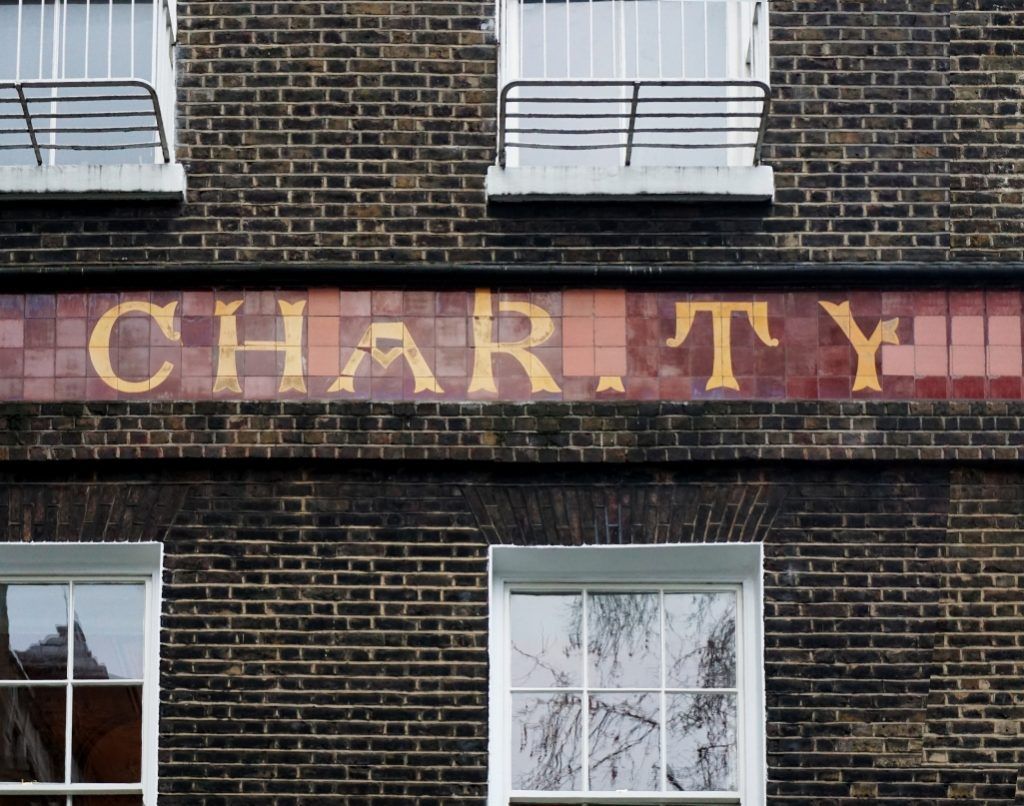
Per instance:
(90,563)
(696,566)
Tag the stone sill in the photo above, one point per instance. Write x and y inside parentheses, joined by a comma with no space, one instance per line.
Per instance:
(739,183)
(157,182)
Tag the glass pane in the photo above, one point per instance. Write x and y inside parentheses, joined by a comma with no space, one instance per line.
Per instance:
(701,742)
(106,735)
(33,632)
(106,800)
(32,734)
(546,730)
(624,640)
(546,640)
(625,742)
(700,640)
(109,638)
(34,800)
(694,53)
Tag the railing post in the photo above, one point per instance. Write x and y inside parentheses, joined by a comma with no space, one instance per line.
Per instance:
(632,123)
(28,123)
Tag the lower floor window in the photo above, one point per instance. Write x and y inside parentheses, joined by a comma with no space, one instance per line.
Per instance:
(78,675)
(632,683)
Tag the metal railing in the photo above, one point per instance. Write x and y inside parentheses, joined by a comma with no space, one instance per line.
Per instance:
(86,81)
(72,116)
(594,115)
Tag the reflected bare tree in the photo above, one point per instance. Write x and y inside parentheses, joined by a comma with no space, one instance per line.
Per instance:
(625,729)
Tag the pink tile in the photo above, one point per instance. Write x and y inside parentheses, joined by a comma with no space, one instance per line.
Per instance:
(577,331)
(197,303)
(38,389)
(1004,360)
(324,361)
(323,331)
(930,330)
(419,303)
(610,332)
(610,302)
(71,305)
(12,333)
(39,363)
(70,362)
(40,332)
(578,361)
(197,362)
(69,389)
(610,361)
(1004,330)
(386,303)
(931,361)
(324,302)
(578,303)
(967,361)
(898,359)
(968,330)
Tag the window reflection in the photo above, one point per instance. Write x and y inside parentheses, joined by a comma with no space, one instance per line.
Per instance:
(625,742)
(33,632)
(624,640)
(106,734)
(546,752)
(109,640)
(546,642)
(700,640)
(32,734)
(701,741)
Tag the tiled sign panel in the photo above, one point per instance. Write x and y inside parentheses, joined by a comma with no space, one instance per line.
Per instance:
(486,344)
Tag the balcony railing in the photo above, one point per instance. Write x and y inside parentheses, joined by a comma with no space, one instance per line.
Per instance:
(630,117)
(86,82)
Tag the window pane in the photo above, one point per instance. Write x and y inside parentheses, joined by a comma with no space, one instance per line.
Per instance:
(106,800)
(700,640)
(624,640)
(32,734)
(34,800)
(546,640)
(109,639)
(701,742)
(106,734)
(546,730)
(33,632)
(625,742)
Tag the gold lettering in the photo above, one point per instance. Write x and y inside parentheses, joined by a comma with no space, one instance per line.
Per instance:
(866,346)
(387,331)
(485,348)
(228,347)
(99,344)
(721,330)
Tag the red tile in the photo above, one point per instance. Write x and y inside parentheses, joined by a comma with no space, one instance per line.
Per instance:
(40,332)
(1003,303)
(1005,388)
(71,332)
(357,303)
(578,303)
(610,361)
(71,306)
(196,303)
(830,388)
(836,361)
(38,389)
(454,303)
(451,331)
(642,305)
(12,333)
(609,332)
(40,306)
(419,303)
(323,331)
(70,362)
(39,363)
(967,303)
(197,362)
(969,388)
(610,303)
(197,331)
(69,389)
(386,303)
(802,388)
(12,363)
(931,388)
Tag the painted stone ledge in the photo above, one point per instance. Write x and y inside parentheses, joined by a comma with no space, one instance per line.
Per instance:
(484,344)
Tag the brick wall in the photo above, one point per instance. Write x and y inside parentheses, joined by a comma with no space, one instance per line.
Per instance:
(360,132)
(324,629)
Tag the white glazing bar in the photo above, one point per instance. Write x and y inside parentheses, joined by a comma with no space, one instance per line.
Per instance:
(585,698)
(661,69)
(64,40)
(682,38)
(110,37)
(521,13)
(544,35)
(636,38)
(707,24)
(664,681)
(17,46)
(42,34)
(70,676)
(131,38)
(591,45)
(85,47)
(568,41)
(54,67)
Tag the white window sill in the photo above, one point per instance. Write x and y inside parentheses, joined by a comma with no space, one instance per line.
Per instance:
(739,183)
(164,181)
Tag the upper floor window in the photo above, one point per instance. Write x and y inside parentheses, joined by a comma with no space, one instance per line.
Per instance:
(627,675)
(86,83)
(633,83)
(79,634)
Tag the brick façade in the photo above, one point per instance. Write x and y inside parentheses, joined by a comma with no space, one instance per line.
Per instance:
(360,132)
(324,627)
